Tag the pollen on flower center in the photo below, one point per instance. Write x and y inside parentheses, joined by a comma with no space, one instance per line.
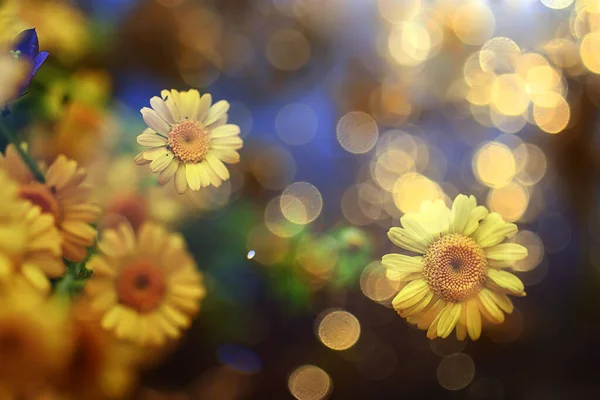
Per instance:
(43,197)
(189,141)
(141,286)
(455,267)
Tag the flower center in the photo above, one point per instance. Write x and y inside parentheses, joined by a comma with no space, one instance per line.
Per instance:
(141,286)
(189,141)
(42,196)
(455,267)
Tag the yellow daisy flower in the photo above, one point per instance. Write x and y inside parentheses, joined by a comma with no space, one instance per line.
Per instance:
(146,288)
(33,344)
(190,140)
(63,195)
(460,272)
(30,245)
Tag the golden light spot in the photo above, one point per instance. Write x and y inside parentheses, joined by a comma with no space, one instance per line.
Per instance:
(339,330)
(531,164)
(141,286)
(499,55)
(507,123)
(535,250)
(494,165)
(510,201)
(357,132)
(296,124)
(309,382)
(390,166)
(455,267)
(378,283)
(189,141)
(288,50)
(592,6)
(277,223)
(509,94)
(473,73)
(541,78)
(589,52)
(410,44)
(398,11)
(552,114)
(412,189)
(473,22)
(557,4)
(456,371)
(274,167)
(301,203)
(351,208)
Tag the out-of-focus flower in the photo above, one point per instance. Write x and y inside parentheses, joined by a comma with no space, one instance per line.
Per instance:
(26,46)
(189,139)
(97,366)
(12,74)
(460,272)
(30,245)
(63,195)
(147,288)
(34,347)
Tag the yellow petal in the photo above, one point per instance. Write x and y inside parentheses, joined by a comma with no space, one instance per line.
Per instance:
(473,319)
(406,239)
(448,319)
(216,112)
(461,212)
(217,166)
(180,179)
(489,308)
(507,281)
(192,175)
(506,252)
(411,224)
(493,230)
(162,110)
(111,318)
(411,294)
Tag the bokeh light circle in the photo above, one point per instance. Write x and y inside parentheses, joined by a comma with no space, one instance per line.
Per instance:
(338,330)
(456,371)
(301,203)
(357,132)
(309,382)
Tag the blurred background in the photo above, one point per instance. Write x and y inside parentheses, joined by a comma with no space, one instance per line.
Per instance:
(353,112)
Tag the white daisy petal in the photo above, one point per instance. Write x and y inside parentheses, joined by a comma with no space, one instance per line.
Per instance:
(218,166)
(225,131)
(168,173)
(155,153)
(170,102)
(162,162)
(180,179)
(202,107)
(151,139)
(216,112)
(162,109)
(154,121)
(192,175)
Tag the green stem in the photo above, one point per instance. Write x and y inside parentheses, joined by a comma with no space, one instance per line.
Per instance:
(31,163)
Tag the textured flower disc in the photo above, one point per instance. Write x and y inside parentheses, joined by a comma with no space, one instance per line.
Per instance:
(141,286)
(455,267)
(189,141)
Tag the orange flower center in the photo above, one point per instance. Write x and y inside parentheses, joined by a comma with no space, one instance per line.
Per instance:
(132,207)
(455,267)
(141,286)
(42,196)
(189,141)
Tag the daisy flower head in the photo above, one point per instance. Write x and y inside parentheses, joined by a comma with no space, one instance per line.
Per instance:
(30,244)
(460,271)
(63,195)
(189,140)
(146,288)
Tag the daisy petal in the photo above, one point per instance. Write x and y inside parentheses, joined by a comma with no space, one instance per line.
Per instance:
(493,230)
(162,109)
(225,131)
(507,281)
(154,121)
(168,173)
(473,319)
(217,166)
(192,175)
(162,162)
(202,107)
(151,139)
(180,179)
(402,263)
(461,211)
(448,319)
(216,112)
(488,307)
(407,240)
(411,294)
(506,252)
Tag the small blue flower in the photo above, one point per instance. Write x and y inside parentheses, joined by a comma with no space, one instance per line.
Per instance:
(26,46)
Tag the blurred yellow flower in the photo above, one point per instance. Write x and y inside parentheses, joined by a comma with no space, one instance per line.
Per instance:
(63,195)
(189,139)
(30,245)
(33,346)
(97,366)
(460,272)
(147,288)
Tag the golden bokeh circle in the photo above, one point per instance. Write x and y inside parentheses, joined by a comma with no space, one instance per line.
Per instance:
(338,330)
(309,382)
